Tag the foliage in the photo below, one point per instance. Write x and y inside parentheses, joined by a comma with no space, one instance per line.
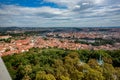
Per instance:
(59,64)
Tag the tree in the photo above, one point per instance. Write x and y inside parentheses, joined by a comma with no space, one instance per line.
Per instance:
(28,69)
(92,74)
(41,75)
(117,73)
(108,71)
(93,63)
(58,64)
(26,77)
(64,78)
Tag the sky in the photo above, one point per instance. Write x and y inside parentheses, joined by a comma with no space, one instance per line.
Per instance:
(59,13)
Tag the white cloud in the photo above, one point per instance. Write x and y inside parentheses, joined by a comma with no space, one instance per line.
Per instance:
(72,3)
(17,10)
(85,3)
(78,13)
(99,1)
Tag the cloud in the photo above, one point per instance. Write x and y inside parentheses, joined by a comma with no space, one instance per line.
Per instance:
(12,15)
(72,3)
(18,10)
(77,13)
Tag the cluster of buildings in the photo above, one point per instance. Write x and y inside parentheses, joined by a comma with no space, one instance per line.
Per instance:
(91,35)
(5,37)
(22,45)
(16,46)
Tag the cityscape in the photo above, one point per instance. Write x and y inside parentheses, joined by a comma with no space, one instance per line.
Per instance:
(59,39)
(86,38)
(51,50)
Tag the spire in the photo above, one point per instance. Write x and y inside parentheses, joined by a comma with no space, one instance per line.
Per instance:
(100,61)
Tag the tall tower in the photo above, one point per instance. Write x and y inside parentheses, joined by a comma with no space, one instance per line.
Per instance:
(4,74)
